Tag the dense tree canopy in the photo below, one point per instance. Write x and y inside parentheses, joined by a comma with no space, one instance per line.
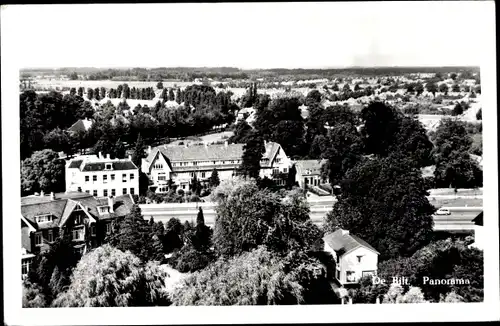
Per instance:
(248,217)
(444,259)
(108,277)
(384,202)
(43,171)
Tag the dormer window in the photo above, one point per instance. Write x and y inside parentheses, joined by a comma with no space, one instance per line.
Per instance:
(103,209)
(109,166)
(44,218)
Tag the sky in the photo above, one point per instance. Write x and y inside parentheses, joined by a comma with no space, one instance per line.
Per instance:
(247,35)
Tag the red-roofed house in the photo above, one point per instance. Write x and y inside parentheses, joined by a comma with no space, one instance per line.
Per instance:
(85,217)
(354,257)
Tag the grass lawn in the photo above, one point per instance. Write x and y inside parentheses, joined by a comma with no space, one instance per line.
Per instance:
(456,202)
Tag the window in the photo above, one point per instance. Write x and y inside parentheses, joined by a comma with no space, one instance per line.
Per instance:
(94,178)
(43,218)
(87,191)
(359,258)
(87,178)
(113,192)
(77,234)
(368,273)
(124,177)
(92,230)
(112,177)
(131,191)
(94,193)
(162,177)
(79,189)
(276,171)
(124,191)
(285,170)
(108,228)
(192,174)
(105,192)
(50,236)
(78,219)
(195,163)
(38,239)
(109,166)
(105,178)
(25,267)
(350,276)
(202,174)
(132,176)
(103,209)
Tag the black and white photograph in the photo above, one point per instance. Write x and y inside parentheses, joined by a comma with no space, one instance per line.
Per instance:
(197,163)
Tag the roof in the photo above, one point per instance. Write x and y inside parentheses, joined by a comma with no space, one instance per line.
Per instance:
(81,125)
(343,242)
(93,163)
(312,165)
(100,166)
(478,220)
(62,207)
(227,152)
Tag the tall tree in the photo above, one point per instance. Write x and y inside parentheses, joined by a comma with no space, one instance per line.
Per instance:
(80,91)
(139,151)
(253,151)
(384,201)
(90,93)
(159,85)
(171,96)
(44,170)
(214,180)
(121,278)
(290,180)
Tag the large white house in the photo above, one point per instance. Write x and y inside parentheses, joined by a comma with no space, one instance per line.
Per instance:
(181,163)
(102,176)
(354,257)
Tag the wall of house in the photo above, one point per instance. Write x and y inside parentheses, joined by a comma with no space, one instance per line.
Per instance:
(155,173)
(26,237)
(120,183)
(349,262)
(478,236)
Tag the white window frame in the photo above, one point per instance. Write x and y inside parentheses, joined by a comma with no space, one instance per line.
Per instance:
(94,193)
(87,178)
(38,239)
(108,166)
(50,236)
(79,232)
(25,263)
(132,176)
(124,191)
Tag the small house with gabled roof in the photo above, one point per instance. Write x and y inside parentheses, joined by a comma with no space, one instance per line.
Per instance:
(354,257)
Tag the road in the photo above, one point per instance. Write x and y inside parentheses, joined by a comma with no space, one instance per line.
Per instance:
(460,219)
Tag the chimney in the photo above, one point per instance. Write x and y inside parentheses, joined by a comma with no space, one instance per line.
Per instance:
(149,149)
(265,143)
(130,157)
(41,193)
(108,157)
(345,232)
(52,196)
(100,155)
(111,203)
(206,145)
(225,144)
(185,145)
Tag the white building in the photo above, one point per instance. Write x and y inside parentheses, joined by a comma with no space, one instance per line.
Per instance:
(353,256)
(181,163)
(102,176)
(309,173)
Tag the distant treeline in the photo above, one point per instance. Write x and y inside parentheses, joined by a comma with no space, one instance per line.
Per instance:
(220,73)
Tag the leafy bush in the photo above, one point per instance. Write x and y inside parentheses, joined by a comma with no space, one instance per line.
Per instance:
(190,260)
(33,296)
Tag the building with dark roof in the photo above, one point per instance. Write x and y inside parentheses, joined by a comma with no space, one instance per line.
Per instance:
(181,163)
(354,257)
(80,126)
(309,173)
(87,219)
(102,176)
